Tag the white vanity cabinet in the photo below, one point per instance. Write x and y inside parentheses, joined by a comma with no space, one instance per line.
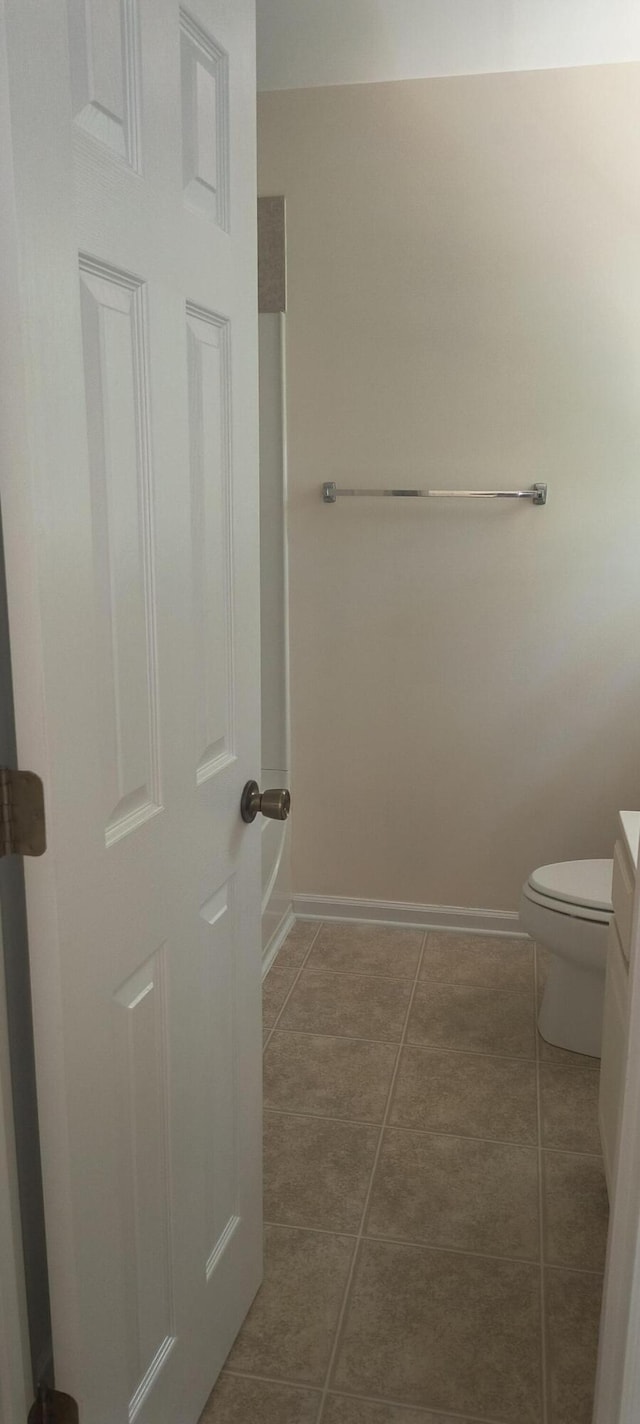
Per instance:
(614,1030)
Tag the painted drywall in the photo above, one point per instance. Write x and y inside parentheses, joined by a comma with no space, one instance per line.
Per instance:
(463,311)
(313,42)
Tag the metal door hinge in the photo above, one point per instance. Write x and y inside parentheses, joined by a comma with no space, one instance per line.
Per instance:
(52,1407)
(22,826)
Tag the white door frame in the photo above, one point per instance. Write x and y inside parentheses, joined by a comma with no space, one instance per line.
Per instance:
(618,1383)
(16,1393)
(15,1356)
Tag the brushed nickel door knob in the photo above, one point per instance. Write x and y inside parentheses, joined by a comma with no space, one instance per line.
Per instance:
(274,803)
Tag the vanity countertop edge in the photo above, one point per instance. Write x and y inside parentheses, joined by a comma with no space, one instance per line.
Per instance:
(630,822)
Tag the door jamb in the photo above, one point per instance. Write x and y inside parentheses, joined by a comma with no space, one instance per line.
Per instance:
(16,1392)
(16,1385)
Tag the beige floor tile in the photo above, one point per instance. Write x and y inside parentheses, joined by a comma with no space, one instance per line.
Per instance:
(495,961)
(295,949)
(569,1099)
(367,949)
(243,1401)
(274,992)
(472,1019)
(316,1171)
(543,960)
(573,1316)
(340,1409)
(356,1006)
(443,1331)
(328,1077)
(576,1211)
(454,1191)
(289,1330)
(466,1094)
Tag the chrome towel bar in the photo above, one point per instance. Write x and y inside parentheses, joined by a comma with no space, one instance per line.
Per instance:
(537,493)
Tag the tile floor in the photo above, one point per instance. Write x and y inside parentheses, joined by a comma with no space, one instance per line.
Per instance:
(434,1193)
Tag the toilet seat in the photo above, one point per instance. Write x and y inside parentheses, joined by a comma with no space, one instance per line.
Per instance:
(565,909)
(585,883)
(580,889)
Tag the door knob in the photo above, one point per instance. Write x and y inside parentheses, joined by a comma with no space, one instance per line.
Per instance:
(274,803)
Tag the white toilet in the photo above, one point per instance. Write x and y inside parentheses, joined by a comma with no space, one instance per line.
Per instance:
(567,908)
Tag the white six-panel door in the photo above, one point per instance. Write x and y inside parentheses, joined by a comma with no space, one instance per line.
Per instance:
(130,506)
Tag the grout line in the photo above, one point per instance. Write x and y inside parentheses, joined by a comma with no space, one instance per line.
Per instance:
(419,1131)
(472,1053)
(347,1231)
(459,1135)
(430,981)
(348,1037)
(410,1410)
(541,1204)
(291,986)
(271,1379)
(532,1060)
(531,1261)
(413,1410)
(422,1245)
(327,1117)
(328,973)
(410,1043)
(337,1336)
(386,1240)
(571,1152)
(322,1117)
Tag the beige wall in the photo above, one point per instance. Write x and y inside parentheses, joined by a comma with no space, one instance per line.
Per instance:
(464,310)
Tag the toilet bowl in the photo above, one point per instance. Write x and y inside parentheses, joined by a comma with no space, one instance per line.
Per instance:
(567,908)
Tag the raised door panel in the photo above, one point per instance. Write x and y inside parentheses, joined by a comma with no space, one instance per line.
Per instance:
(116,387)
(220,1126)
(141,1039)
(205,121)
(208,354)
(103,49)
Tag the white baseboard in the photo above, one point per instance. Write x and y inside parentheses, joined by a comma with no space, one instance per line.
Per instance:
(399,912)
(277,940)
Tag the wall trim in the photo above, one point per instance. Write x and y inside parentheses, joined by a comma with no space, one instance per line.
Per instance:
(401,912)
(277,940)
